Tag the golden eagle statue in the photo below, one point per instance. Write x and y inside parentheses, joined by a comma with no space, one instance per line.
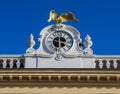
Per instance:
(59,18)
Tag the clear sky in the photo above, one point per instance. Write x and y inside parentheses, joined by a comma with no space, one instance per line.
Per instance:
(98,18)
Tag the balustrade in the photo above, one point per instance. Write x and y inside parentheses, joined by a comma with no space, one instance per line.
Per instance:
(102,62)
(11,63)
(107,63)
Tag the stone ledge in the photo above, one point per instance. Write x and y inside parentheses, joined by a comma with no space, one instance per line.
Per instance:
(56,77)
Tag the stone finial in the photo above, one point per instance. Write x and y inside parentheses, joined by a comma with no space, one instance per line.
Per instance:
(88,43)
(31,44)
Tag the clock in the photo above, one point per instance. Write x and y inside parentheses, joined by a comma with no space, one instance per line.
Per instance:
(59,41)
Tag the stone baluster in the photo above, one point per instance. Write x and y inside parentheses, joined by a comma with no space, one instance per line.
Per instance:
(11,64)
(4,63)
(18,64)
(115,64)
(108,64)
(100,63)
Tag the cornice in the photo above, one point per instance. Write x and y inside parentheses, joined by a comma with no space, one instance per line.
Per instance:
(59,77)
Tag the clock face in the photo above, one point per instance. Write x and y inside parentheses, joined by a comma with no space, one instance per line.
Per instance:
(59,41)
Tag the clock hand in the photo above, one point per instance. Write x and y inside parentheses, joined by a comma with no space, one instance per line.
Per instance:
(65,42)
(59,43)
(56,40)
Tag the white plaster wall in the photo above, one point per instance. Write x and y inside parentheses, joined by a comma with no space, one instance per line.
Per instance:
(88,62)
(64,63)
(42,62)
(30,62)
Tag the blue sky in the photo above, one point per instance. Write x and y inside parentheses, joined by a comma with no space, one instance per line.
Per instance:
(98,18)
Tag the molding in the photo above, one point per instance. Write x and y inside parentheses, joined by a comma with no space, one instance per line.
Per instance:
(59,77)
